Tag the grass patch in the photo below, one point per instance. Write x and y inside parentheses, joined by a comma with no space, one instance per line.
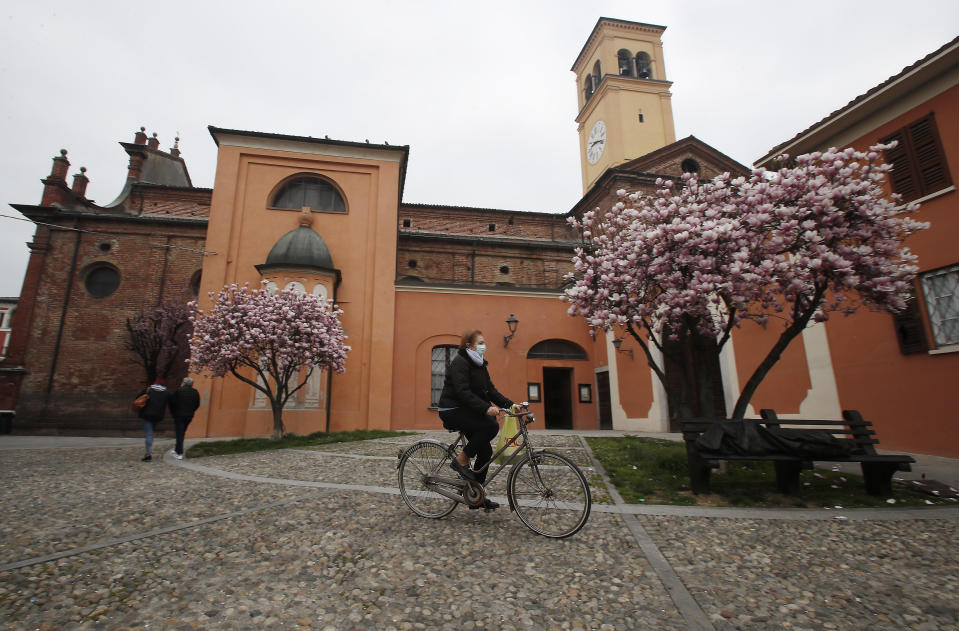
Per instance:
(654,471)
(289,441)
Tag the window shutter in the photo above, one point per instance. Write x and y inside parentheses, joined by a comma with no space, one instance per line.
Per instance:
(930,160)
(918,162)
(902,178)
(909,330)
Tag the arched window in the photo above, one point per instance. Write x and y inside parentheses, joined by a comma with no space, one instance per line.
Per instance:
(195,282)
(557,349)
(625,59)
(442,356)
(313,192)
(644,66)
(295,286)
(588,88)
(101,280)
(597,75)
(320,291)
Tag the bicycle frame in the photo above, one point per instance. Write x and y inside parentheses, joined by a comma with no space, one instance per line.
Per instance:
(463,484)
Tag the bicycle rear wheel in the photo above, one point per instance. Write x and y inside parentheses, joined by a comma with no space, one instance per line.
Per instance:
(424,459)
(550,494)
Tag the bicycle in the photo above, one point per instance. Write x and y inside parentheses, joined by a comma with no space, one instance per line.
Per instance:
(546,490)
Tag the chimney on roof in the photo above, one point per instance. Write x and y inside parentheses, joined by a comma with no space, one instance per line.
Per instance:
(135,168)
(140,138)
(55,185)
(154,142)
(175,149)
(60,165)
(80,183)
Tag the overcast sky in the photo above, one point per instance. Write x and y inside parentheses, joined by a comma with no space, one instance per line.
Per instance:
(482,92)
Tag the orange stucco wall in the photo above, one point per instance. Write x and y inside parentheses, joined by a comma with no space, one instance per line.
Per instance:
(635,379)
(362,244)
(425,319)
(909,398)
(787,384)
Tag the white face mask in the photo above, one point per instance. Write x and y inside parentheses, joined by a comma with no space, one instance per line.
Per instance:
(481,349)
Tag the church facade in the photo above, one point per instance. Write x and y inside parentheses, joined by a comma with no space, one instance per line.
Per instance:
(328,217)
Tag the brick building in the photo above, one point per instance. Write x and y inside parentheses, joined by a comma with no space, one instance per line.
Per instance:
(91,267)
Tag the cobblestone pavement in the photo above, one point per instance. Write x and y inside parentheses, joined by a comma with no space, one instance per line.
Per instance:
(96,539)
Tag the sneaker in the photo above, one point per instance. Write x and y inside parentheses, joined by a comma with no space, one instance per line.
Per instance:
(178,456)
(488,505)
(146,458)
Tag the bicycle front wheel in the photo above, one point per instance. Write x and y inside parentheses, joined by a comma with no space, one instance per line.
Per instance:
(425,459)
(550,494)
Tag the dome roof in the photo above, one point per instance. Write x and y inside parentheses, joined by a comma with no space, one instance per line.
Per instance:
(301,247)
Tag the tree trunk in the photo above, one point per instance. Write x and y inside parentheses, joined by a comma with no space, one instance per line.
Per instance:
(277,420)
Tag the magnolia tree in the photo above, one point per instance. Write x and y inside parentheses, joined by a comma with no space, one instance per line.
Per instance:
(790,245)
(272,341)
(157,338)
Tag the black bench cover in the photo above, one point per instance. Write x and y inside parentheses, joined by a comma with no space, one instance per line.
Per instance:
(747,438)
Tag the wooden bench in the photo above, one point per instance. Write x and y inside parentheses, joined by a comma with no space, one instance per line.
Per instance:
(877,469)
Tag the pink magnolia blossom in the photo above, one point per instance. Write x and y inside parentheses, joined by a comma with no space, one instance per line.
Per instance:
(250,333)
(799,242)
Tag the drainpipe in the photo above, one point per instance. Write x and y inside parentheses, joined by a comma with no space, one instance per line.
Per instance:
(63,315)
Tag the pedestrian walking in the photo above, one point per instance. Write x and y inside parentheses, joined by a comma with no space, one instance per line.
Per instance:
(152,413)
(183,404)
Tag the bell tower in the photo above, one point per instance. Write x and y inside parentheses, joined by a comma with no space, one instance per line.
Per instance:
(624,100)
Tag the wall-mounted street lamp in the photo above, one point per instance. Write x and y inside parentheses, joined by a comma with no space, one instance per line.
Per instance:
(618,342)
(511,324)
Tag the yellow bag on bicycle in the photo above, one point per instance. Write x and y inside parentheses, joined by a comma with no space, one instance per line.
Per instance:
(510,428)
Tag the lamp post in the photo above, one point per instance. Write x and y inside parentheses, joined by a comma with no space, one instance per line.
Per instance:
(511,324)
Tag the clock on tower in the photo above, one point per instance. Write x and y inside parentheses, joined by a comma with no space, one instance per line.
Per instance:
(624,99)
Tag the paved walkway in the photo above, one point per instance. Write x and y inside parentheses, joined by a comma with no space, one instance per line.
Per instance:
(92,538)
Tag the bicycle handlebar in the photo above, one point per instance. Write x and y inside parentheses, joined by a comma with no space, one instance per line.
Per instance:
(522,414)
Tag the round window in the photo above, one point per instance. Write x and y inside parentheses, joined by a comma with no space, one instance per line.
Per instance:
(102,281)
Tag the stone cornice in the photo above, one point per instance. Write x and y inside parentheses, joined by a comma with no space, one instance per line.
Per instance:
(478,290)
(614,82)
(477,240)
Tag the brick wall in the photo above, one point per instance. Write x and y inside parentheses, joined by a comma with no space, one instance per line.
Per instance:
(455,245)
(79,339)
(477,222)
(151,200)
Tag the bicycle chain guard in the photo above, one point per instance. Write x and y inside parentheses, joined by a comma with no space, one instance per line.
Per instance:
(474,494)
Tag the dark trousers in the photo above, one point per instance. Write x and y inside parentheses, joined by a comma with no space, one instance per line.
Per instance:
(180,423)
(479,429)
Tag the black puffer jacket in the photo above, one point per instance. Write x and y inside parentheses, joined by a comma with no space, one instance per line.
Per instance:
(469,385)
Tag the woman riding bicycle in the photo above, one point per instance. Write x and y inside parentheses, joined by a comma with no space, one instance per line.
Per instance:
(470,404)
